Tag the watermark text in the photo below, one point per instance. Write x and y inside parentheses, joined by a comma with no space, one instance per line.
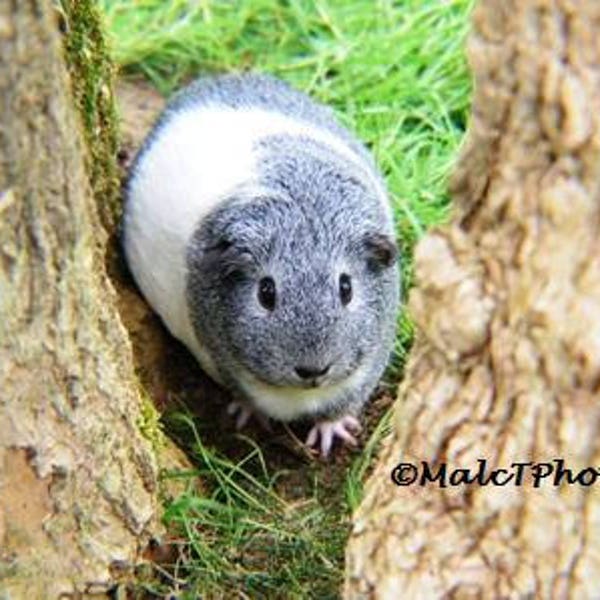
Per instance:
(536,474)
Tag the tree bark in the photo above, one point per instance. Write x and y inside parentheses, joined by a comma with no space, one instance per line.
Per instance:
(77,478)
(506,365)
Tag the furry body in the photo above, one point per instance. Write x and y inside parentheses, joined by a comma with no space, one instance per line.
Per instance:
(244,180)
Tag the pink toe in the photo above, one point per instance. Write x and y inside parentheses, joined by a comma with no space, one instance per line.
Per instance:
(326,439)
(312,436)
(345,435)
(352,423)
(243,418)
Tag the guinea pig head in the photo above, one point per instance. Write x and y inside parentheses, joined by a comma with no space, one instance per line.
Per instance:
(295,295)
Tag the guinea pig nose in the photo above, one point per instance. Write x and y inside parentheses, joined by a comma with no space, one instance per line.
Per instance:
(311,372)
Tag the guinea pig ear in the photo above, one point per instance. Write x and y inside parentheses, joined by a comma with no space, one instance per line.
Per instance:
(381,250)
(230,259)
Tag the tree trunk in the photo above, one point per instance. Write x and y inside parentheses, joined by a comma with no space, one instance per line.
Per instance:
(77,478)
(506,365)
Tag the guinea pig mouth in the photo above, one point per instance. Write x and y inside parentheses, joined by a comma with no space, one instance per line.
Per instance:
(335,375)
(308,384)
(311,383)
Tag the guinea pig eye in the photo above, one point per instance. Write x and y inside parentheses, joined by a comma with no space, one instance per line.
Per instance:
(345,288)
(266,292)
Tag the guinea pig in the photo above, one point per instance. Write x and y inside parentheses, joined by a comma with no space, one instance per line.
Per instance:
(261,232)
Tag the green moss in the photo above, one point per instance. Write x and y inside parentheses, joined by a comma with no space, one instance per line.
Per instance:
(150,425)
(92,73)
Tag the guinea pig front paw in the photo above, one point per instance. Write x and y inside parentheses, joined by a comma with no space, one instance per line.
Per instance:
(244,412)
(324,433)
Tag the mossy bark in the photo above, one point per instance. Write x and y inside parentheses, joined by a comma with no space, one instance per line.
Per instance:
(506,365)
(91,73)
(78,481)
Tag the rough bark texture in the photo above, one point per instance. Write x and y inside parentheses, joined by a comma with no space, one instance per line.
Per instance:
(77,478)
(507,361)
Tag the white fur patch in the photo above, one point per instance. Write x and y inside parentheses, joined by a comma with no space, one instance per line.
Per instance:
(289,403)
(199,157)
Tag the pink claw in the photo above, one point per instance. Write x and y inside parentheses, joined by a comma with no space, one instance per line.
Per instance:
(344,428)
(244,412)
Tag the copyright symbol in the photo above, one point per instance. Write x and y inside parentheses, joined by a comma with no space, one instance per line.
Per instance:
(404,474)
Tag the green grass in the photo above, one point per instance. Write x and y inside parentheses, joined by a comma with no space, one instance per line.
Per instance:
(243,537)
(395,73)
